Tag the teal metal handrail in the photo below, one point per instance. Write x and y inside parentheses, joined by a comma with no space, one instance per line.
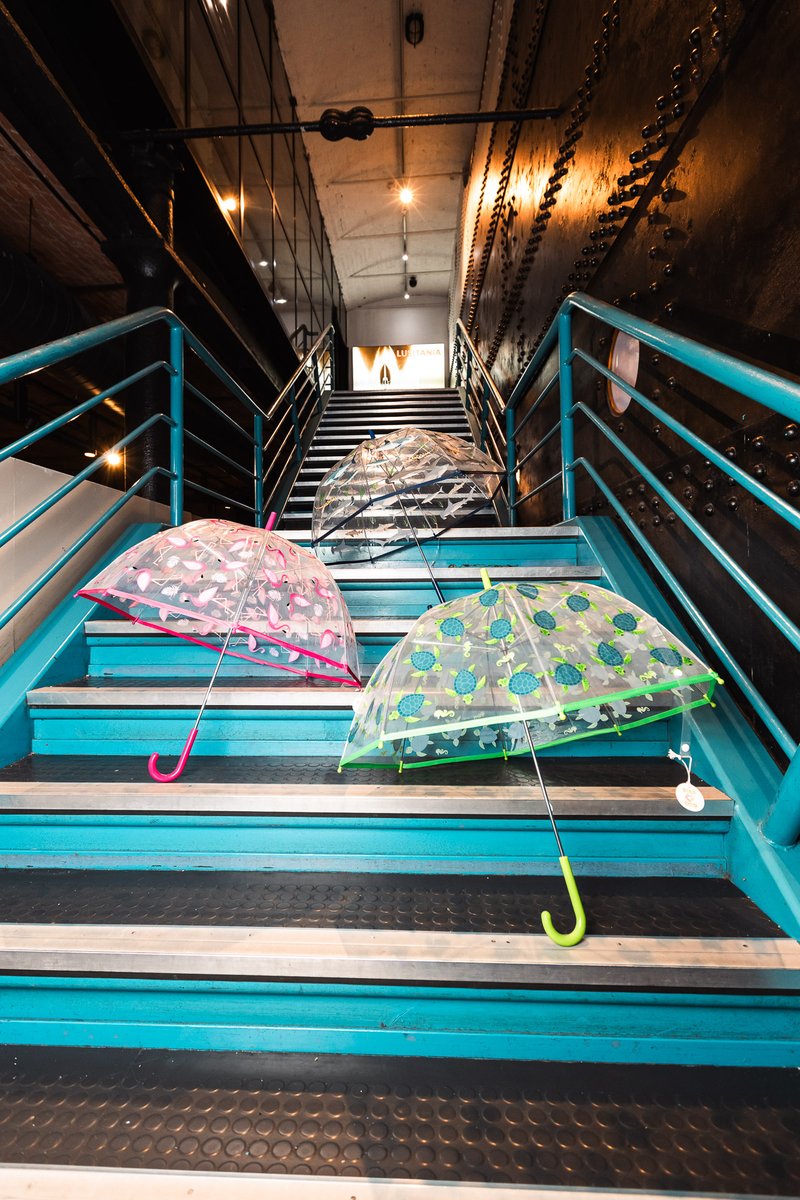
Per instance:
(292,414)
(773,392)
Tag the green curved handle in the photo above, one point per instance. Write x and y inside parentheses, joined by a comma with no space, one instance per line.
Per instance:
(567,939)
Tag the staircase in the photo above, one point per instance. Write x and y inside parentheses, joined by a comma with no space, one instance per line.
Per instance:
(270,967)
(348,420)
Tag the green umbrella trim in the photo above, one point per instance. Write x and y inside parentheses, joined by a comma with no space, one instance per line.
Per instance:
(712,678)
(410,765)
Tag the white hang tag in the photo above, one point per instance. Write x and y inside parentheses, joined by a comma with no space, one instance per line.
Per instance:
(690,797)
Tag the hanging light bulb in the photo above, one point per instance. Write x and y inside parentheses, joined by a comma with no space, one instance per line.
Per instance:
(405,196)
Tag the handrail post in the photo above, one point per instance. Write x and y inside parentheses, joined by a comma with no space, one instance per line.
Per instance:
(567,421)
(484,413)
(298,441)
(467,380)
(176,350)
(258,469)
(457,359)
(317,381)
(511,466)
(781,825)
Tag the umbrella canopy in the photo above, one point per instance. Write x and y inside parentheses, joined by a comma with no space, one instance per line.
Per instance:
(516,666)
(408,483)
(215,577)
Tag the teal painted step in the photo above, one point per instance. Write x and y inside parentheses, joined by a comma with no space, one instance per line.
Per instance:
(496,547)
(453,846)
(565,1026)
(143,656)
(412,599)
(259,731)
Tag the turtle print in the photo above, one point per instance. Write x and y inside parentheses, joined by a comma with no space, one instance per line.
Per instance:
(423,660)
(567,675)
(667,656)
(500,628)
(411,704)
(544,619)
(465,682)
(452,627)
(522,683)
(577,603)
(489,597)
(626,622)
(529,590)
(609,654)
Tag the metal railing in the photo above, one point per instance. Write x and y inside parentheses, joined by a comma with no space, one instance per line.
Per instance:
(274,438)
(483,403)
(773,392)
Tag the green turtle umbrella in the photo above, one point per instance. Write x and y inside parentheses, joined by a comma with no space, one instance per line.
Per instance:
(514,668)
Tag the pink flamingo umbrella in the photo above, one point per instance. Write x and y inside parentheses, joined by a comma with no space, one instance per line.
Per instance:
(220,578)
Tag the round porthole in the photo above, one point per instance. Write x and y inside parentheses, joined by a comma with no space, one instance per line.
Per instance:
(623,360)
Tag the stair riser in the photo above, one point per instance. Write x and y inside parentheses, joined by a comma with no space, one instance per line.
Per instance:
(168,658)
(566,1026)
(252,732)
(371,845)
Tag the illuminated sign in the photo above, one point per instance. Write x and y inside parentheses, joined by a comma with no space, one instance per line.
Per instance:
(398,368)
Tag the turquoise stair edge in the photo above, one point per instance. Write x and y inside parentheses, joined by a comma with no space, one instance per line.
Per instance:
(692,1029)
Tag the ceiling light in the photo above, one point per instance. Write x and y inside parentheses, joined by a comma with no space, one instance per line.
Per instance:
(280,300)
(405,196)
(90,454)
(263,263)
(229,203)
(406,296)
(405,257)
(113,458)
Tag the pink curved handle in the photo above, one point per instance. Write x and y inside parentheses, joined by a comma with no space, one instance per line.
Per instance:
(158,776)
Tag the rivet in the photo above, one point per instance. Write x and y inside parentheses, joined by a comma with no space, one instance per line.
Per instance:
(709,510)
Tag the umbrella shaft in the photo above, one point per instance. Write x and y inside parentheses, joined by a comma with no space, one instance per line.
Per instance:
(239,607)
(545,793)
(436,587)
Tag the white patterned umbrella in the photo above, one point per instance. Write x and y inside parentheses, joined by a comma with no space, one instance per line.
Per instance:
(411,484)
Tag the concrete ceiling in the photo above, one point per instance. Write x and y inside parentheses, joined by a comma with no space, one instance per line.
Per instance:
(347,52)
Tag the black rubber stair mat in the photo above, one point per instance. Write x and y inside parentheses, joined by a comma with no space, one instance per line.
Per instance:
(563,772)
(630,907)
(677,1129)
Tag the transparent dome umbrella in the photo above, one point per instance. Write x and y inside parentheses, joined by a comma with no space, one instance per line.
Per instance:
(212,577)
(408,485)
(516,668)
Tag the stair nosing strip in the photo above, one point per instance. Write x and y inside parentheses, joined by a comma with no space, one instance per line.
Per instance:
(402,956)
(20,1181)
(387,800)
